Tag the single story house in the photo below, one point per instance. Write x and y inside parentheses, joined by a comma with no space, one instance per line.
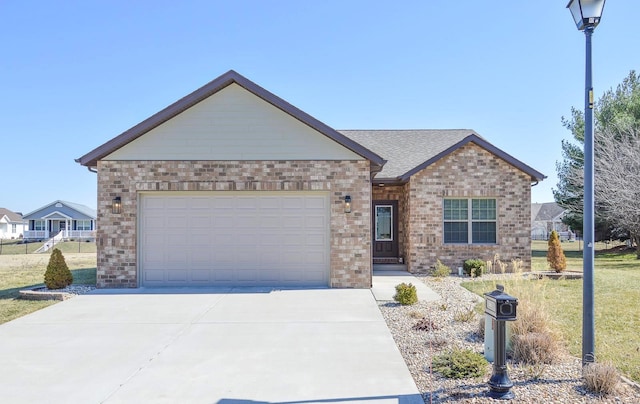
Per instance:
(67,220)
(231,185)
(11,225)
(547,217)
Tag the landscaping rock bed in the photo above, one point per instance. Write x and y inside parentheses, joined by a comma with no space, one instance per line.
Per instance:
(43,293)
(557,383)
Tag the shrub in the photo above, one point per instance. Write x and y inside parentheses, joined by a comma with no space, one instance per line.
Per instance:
(535,348)
(441,270)
(426,324)
(460,363)
(555,255)
(406,294)
(57,275)
(474,267)
(601,378)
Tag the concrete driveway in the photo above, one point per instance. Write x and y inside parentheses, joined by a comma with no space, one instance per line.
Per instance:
(205,346)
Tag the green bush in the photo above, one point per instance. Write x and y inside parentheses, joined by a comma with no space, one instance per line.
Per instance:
(441,270)
(460,363)
(406,294)
(474,268)
(57,275)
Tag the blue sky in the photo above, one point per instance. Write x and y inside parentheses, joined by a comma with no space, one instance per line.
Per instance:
(74,74)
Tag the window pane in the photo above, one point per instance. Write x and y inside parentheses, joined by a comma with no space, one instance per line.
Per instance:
(484,232)
(455,209)
(384,221)
(483,209)
(455,232)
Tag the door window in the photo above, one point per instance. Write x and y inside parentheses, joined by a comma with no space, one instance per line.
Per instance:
(384,223)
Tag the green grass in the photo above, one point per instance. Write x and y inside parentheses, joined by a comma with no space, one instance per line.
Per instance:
(19,272)
(13,247)
(617,304)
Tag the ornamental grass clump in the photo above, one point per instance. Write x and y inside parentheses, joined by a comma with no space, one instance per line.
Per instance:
(555,256)
(57,275)
(406,294)
(441,270)
(601,378)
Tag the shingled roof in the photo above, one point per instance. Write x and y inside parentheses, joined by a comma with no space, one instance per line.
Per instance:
(410,151)
(12,216)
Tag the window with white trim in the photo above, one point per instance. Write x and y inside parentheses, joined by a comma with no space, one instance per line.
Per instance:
(83,224)
(470,221)
(38,225)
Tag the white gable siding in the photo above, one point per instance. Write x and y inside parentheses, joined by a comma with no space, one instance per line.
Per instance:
(233,124)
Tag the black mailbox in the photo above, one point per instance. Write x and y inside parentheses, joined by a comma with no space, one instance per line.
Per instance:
(500,305)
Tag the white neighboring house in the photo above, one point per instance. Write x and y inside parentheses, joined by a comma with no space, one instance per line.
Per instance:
(11,224)
(547,217)
(67,220)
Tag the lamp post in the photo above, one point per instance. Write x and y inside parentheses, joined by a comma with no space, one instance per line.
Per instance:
(586,14)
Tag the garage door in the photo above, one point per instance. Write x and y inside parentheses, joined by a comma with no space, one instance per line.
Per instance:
(234,239)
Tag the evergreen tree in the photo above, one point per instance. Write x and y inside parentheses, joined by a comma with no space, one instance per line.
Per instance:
(555,255)
(58,274)
(614,110)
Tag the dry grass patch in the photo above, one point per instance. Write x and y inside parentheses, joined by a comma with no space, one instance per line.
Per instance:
(601,378)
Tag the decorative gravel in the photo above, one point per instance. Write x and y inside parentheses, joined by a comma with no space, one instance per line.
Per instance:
(44,293)
(557,383)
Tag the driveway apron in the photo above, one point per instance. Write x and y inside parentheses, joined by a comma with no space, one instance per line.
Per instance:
(205,346)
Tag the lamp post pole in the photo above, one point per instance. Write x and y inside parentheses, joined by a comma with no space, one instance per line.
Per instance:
(588,321)
(587,15)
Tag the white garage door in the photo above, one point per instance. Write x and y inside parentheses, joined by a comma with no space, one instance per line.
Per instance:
(234,239)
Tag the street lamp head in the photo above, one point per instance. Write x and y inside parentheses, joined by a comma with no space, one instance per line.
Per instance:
(586,13)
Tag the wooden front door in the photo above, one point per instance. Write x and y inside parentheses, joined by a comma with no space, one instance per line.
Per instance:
(385,228)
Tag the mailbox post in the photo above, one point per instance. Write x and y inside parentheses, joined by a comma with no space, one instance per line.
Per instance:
(500,307)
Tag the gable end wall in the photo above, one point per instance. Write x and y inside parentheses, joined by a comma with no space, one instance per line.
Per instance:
(468,172)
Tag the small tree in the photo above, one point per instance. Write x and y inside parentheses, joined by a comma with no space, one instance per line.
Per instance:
(58,274)
(555,255)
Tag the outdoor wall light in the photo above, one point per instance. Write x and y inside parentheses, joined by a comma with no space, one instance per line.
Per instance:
(116,205)
(347,204)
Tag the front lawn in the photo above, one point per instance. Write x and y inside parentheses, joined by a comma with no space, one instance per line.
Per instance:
(18,272)
(617,304)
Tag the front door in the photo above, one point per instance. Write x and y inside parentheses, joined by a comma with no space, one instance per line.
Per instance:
(385,228)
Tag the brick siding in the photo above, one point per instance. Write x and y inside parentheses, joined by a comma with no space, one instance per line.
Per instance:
(350,234)
(468,172)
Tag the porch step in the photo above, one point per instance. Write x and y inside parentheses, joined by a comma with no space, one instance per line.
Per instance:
(389,267)
(387,260)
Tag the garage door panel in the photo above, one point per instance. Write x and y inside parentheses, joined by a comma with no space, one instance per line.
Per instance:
(200,275)
(154,275)
(177,275)
(253,239)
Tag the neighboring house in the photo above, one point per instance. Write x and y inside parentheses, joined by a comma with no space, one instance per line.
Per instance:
(547,217)
(11,225)
(66,219)
(231,185)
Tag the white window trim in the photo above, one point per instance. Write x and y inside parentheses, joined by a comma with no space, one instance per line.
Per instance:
(470,221)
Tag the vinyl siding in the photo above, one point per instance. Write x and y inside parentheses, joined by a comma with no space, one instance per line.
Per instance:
(233,124)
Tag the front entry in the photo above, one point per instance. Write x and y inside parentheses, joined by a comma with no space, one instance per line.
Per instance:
(385,229)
